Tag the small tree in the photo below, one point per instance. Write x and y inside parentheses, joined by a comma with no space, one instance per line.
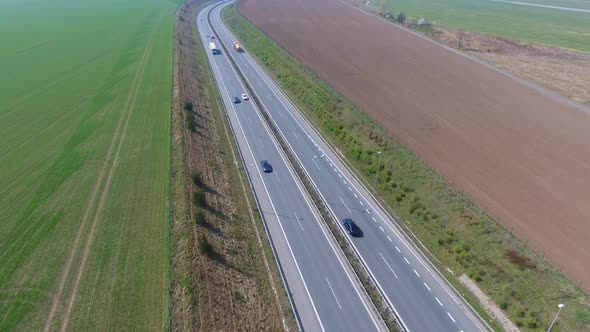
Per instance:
(401,18)
(188,106)
(200,218)
(191,124)
(197,178)
(199,198)
(205,247)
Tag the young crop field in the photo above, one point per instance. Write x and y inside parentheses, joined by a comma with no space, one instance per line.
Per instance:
(549,26)
(84,164)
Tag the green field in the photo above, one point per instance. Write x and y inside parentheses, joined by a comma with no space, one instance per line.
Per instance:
(84,163)
(539,25)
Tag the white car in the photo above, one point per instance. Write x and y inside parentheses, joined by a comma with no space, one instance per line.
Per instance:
(245,96)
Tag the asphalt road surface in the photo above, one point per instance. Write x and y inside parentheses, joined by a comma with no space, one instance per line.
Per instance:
(324,291)
(416,291)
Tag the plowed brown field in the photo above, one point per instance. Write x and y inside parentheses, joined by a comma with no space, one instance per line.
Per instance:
(521,154)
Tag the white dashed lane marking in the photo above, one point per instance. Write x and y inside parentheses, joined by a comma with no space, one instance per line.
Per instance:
(355,196)
(349,188)
(390,240)
(362,203)
(427,287)
(437,300)
(416,273)
(398,249)
(451,317)
(407,261)
(381,228)
(375,220)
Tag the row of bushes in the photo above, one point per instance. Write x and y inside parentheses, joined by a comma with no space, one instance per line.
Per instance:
(458,233)
(199,201)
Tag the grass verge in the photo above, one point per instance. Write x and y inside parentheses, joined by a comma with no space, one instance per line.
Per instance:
(459,237)
(223,271)
(546,26)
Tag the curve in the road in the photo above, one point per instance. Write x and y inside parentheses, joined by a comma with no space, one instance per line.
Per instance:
(413,288)
(321,285)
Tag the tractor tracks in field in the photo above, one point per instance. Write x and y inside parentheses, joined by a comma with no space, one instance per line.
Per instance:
(119,136)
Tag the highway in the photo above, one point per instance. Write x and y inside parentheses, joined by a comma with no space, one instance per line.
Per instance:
(324,290)
(413,288)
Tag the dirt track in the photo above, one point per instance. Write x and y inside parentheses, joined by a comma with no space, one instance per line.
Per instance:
(522,156)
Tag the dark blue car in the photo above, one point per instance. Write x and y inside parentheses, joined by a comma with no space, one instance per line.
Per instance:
(351,227)
(266,167)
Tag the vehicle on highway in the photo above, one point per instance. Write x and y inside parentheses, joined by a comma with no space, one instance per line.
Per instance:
(236,100)
(214,49)
(245,96)
(212,37)
(266,167)
(351,227)
(238,47)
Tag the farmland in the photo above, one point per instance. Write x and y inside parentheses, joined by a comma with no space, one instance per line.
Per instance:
(462,237)
(84,164)
(539,25)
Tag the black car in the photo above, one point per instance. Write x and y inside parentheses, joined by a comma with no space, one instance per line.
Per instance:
(236,100)
(351,227)
(266,167)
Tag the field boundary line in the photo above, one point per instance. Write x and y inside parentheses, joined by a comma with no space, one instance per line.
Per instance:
(97,185)
(546,92)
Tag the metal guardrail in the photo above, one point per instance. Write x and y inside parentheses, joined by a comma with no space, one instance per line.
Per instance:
(359,267)
(397,220)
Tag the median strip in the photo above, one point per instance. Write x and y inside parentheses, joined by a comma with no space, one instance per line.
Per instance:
(360,270)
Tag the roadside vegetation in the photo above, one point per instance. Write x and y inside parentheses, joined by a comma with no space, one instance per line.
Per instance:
(460,238)
(559,67)
(223,273)
(84,164)
(546,26)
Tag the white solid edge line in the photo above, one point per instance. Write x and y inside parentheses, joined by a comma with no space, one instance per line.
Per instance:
(247,57)
(271,203)
(334,214)
(321,227)
(401,238)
